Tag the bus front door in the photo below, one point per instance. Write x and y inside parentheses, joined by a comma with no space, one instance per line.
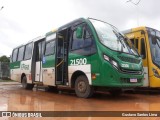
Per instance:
(140,44)
(39,47)
(143,53)
(61,65)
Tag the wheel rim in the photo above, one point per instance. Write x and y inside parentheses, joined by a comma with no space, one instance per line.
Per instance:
(82,86)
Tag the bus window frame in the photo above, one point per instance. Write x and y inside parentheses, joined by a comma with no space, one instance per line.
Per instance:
(144,45)
(31,50)
(16,55)
(54,47)
(19,52)
(149,35)
(85,27)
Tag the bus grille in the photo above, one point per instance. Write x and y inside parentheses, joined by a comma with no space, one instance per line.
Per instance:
(127,80)
(135,72)
(131,60)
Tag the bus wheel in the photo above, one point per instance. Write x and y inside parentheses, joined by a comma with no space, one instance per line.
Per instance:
(25,85)
(115,92)
(82,87)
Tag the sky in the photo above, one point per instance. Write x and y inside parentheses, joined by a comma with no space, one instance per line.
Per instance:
(23,20)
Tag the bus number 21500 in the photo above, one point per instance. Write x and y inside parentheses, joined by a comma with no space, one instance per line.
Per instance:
(81,61)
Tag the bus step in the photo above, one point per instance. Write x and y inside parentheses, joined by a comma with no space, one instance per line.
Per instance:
(38,83)
(63,87)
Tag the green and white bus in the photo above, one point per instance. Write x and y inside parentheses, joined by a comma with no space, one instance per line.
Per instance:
(85,55)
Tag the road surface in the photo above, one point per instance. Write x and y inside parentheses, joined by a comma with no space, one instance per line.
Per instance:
(14,98)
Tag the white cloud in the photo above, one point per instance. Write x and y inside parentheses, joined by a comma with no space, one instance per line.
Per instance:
(23,20)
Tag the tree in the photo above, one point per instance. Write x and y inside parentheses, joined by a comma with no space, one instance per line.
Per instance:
(4,59)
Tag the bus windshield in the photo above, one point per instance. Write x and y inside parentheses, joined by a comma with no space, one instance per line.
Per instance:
(111,37)
(154,38)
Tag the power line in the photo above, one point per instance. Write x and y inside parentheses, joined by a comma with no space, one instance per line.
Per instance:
(134,2)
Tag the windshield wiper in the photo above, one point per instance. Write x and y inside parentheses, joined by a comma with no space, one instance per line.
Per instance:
(120,37)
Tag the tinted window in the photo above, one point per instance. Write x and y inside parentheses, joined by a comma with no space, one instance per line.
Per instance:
(143,52)
(132,40)
(14,56)
(28,51)
(21,53)
(50,48)
(78,43)
(87,38)
(136,43)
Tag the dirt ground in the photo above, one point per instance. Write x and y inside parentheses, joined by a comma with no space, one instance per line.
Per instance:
(14,98)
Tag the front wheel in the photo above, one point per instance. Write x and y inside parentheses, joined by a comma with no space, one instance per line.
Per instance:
(82,87)
(25,85)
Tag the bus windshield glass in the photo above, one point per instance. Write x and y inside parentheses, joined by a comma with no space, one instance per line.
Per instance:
(154,38)
(111,37)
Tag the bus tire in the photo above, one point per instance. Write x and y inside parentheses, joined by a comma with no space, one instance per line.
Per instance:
(25,85)
(82,87)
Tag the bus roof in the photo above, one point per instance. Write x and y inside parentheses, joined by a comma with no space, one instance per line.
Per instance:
(134,29)
(66,26)
(71,23)
(137,29)
(51,32)
(33,40)
(74,22)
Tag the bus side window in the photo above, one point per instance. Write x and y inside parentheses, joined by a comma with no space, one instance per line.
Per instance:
(87,38)
(136,43)
(79,43)
(50,48)
(132,40)
(14,56)
(143,52)
(28,51)
(21,53)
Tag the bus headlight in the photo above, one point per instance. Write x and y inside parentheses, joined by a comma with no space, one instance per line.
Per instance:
(114,63)
(156,74)
(106,58)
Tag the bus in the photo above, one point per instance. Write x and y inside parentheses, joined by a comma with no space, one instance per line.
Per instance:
(147,42)
(85,55)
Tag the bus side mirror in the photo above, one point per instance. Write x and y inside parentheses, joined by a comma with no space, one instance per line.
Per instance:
(79,32)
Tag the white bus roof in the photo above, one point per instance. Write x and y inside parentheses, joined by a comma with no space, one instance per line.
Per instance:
(33,40)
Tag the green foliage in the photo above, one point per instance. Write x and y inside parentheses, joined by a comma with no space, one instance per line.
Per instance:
(4,59)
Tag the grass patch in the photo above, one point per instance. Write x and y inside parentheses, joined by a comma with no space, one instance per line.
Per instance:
(6,80)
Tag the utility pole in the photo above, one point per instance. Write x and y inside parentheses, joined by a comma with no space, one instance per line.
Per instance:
(137,8)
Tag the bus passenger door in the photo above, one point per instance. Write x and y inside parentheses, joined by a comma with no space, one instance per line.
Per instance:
(61,62)
(139,42)
(143,53)
(39,47)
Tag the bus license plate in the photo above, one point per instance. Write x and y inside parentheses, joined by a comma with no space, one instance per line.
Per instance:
(133,80)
